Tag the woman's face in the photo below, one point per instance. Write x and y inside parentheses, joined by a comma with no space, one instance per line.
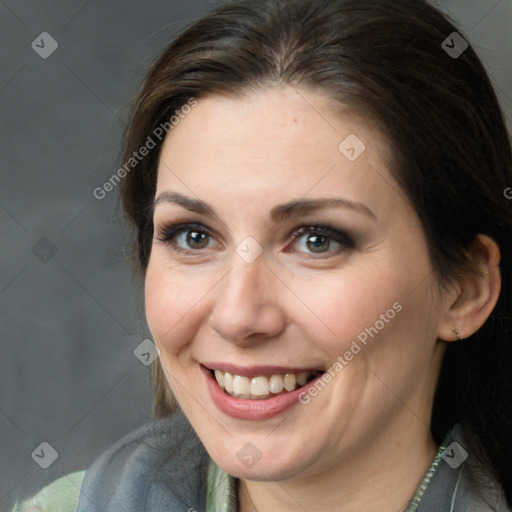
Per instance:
(284,251)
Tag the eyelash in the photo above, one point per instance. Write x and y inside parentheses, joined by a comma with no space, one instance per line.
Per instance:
(169,233)
(327,231)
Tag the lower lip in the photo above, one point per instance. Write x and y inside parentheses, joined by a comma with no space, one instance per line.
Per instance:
(252,409)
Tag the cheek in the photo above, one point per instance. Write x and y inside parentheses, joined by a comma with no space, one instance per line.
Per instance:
(342,304)
(173,303)
(373,311)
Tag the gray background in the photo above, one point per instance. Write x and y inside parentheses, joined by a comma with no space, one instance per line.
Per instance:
(71,319)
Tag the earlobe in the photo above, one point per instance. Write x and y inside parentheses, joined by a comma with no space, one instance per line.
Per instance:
(457,334)
(478,292)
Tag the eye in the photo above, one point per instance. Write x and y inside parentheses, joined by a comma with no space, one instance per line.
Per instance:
(316,243)
(187,237)
(321,240)
(193,239)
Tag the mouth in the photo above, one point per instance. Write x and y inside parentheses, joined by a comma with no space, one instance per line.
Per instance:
(262,385)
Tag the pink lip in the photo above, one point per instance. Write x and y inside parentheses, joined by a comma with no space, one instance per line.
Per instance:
(252,410)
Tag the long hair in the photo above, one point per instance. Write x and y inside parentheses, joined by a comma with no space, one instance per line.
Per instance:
(452,156)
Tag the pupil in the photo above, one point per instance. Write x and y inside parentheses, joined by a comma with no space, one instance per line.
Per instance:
(197,240)
(318,243)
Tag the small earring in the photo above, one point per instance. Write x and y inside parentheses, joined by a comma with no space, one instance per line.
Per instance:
(457,333)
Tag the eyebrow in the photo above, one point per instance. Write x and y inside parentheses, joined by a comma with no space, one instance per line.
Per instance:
(193,205)
(300,207)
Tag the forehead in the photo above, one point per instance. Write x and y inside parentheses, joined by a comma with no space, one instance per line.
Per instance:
(277,143)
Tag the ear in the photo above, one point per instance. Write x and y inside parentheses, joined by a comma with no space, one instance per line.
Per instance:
(477,292)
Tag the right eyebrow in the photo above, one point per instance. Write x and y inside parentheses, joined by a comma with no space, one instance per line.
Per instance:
(193,205)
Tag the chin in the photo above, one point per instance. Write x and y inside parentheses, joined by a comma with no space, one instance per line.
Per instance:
(259,459)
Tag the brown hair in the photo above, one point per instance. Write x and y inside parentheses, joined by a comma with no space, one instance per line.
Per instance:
(441,117)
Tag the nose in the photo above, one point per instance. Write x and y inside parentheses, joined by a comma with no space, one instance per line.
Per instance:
(247,308)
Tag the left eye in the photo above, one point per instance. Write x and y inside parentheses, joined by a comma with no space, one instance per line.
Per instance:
(317,240)
(316,243)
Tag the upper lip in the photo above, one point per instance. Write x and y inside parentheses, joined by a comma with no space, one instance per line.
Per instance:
(257,370)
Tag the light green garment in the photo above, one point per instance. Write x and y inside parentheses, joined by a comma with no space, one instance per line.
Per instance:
(60,496)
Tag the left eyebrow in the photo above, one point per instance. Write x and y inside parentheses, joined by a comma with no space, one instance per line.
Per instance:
(308,206)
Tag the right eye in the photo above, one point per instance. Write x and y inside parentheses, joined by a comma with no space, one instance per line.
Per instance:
(190,238)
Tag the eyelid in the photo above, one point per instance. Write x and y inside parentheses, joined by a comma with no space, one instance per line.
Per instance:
(344,241)
(325,230)
(168,232)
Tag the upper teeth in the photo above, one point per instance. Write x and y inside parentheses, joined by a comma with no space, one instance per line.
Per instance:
(261,386)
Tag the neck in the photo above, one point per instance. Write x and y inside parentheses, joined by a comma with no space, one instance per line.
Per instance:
(383,477)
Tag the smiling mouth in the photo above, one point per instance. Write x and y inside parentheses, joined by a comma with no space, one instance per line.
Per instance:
(262,387)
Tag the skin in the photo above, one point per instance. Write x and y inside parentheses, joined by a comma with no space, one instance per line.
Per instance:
(363,443)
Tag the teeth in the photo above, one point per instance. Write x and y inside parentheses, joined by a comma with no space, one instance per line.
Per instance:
(228,382)
(276,384)
(260,387)
(289,381)
(220,378)
(302,378)
(241,386)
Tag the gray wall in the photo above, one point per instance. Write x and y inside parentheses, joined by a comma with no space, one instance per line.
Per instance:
(71,315)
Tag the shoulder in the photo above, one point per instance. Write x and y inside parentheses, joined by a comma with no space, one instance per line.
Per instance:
(478,490)
(161,466)
(461,482)
(60,496)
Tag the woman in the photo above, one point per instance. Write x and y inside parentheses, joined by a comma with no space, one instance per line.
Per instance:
(318,190)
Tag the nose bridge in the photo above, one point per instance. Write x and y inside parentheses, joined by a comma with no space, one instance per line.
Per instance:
(242,286)
(245,303)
